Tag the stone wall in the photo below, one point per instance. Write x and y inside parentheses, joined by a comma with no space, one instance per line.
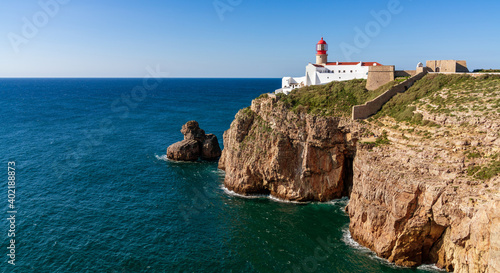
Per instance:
(447,66)
(379,75)
(462,66)
(405,73)
(372,107)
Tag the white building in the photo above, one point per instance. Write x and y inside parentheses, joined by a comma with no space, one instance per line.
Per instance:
(324,72)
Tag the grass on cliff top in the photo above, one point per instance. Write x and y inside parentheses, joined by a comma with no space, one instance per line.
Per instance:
(486,71)
(332,99)
(401,107)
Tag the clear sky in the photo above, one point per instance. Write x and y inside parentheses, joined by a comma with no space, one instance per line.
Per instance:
(238,38)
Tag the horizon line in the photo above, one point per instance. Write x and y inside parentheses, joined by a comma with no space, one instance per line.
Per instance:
(93,77)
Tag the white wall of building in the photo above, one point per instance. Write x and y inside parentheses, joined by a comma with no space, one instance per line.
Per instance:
(318,75)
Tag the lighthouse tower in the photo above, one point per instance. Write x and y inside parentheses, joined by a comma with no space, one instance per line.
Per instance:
(321,48)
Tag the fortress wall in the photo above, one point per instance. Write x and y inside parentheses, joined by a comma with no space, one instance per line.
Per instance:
(379,75)
(461,66)
(405,73)
(373,106)
(447,66)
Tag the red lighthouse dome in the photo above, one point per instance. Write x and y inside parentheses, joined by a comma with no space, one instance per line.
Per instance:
(321,47)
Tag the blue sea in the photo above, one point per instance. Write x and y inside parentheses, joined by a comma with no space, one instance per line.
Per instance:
(95,193)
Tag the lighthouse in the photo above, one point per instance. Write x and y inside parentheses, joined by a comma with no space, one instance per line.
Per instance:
(321,48)
(323,72)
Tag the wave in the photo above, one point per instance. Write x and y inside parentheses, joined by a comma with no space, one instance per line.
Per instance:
(276,199)
(163,157)
(219,172)
(260,196)
(232,193)
(348,240)
(342,201)
(430,268)
(166,159)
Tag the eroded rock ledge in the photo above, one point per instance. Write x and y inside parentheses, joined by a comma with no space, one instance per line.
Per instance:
(411,201)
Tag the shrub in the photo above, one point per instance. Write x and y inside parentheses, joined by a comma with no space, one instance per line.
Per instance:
(382,139)
(262,96)
(493,169)
(335,98)
(399,107)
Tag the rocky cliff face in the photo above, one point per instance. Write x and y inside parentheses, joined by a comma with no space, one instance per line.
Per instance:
(410,210)
(432,194)
(291,156)
(419,193)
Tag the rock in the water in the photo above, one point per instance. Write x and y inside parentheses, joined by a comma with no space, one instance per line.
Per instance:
(186,150)
(196,144)
(210,149)
(191,130)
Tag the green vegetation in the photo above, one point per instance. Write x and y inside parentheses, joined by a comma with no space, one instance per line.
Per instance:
(258,131)
(435,93)
(473,154)
(247,111)
(399,107)
(442,94)
(485,173)
(380,140)
(486,70)
(262,96)
(333,99)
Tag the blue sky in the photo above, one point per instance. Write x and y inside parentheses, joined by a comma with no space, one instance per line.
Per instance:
(238,38)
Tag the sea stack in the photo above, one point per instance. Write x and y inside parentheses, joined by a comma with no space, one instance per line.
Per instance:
(196,144)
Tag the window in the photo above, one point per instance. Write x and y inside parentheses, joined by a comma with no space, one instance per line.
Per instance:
(351,71)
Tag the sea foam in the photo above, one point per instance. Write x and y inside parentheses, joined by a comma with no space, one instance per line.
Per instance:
(163,157)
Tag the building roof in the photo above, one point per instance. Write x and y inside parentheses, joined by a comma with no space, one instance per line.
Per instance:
(354,63)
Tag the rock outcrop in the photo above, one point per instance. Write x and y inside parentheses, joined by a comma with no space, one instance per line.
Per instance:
(292,156)
(210,148)
(196,144)
(191,130)
(186,150)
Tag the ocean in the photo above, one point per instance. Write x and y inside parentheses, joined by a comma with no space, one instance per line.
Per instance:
(95,193)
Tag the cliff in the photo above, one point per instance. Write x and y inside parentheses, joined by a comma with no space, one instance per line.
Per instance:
(432,194)
(422,175)
(292,156)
